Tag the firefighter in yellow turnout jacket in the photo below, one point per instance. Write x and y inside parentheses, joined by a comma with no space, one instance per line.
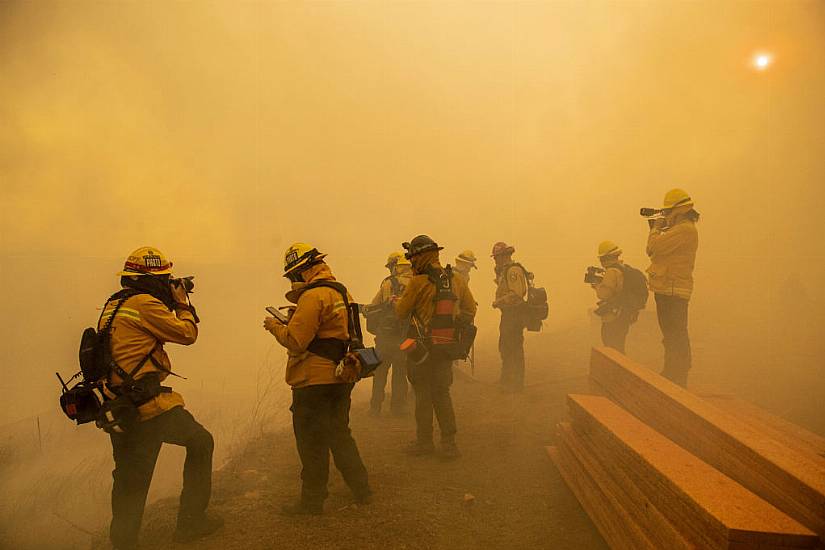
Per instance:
(672,246)
(511,293)
(465,262)
(432,376)
(316,339)
(388,337)
(153,311)
(616,319)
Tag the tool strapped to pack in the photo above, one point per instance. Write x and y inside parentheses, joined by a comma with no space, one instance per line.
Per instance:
(535,306)
(336,349)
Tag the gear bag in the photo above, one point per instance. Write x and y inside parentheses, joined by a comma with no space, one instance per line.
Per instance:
(381,319)
(81,402)
(337,350)
(634,289)
(536,307)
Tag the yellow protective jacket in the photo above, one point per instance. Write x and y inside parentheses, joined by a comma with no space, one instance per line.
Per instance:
(403,275)
(610,288)
(463,273)
(672,253)
(321,313)
(140,325)
(418,299)
(511,289)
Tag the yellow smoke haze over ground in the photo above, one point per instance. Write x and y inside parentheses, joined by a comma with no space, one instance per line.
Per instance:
(221,132)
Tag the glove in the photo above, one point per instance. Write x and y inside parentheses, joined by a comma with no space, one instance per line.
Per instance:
(179,294)
(349,370)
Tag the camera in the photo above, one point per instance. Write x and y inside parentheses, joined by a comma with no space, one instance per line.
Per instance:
(188,283)
(594,275)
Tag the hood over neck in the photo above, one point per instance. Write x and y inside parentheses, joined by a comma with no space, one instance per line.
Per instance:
(318,272)
(420,262)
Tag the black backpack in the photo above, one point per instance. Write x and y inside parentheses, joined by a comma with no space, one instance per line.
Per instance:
(634,293)
(381,319)
(80,402)
(536,306)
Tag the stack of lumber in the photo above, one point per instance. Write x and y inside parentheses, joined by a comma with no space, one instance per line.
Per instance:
(658,467)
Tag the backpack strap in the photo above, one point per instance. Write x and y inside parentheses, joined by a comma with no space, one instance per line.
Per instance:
(335,349)
(528,276)
(129,377)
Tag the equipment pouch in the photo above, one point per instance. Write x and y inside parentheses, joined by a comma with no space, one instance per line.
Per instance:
(416,350)
(80,404)
(117,415)
(369,360)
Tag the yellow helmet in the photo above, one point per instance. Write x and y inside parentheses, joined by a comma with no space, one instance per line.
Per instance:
(402,260)
(677,197)
(300,255)
(146,260)
(467,257)
(393,258)
(609,248)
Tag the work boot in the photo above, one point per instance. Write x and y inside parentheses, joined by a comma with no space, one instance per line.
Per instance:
(449,451)
(362,498)
(193,528)
(301,508)
(420,448)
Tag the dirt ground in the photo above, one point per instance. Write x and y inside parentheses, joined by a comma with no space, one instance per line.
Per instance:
(520,501)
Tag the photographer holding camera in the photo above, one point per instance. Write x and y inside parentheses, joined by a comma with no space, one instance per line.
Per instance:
(672,246)
(151,310)
(620,297)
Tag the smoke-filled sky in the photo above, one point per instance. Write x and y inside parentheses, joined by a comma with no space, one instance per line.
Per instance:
(221,132)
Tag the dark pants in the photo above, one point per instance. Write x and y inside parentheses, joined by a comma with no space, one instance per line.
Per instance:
(614,333)
(135,454)
(511,348)
(320,418)
(673,320)
(431,382)
(395,359)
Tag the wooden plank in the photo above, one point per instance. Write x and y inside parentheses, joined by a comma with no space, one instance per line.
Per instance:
(629,497)
(617,528)
(710,508)
(789,434)
(788,479)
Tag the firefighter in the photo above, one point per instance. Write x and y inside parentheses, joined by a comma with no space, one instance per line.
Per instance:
(671,246)
(511,292)
(431,374)
(464,262)
(616,320)
(388,337)
(155,310)
(316,338)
